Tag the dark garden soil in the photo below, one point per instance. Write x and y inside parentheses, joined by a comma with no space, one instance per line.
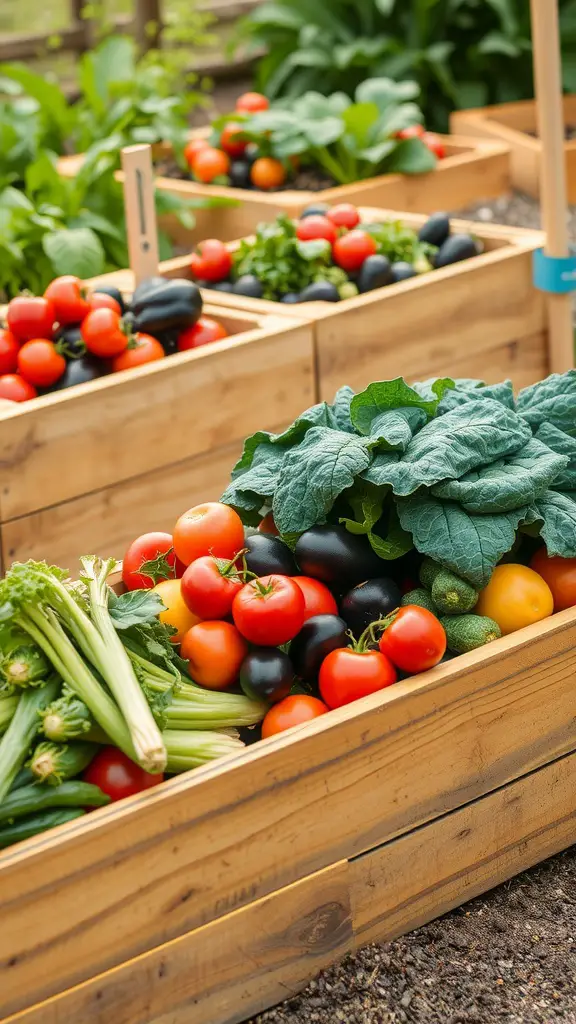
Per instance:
(505,958)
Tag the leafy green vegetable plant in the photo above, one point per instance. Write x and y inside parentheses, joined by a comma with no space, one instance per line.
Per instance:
(462,53)
(348,140)
(281,262)
(452,467)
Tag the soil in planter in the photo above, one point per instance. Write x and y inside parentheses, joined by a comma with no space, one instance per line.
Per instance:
(569,133)
(307,180)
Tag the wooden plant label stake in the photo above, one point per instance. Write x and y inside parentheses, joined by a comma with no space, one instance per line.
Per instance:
(140,211)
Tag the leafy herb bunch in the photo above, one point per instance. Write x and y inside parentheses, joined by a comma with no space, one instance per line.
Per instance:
(453,468)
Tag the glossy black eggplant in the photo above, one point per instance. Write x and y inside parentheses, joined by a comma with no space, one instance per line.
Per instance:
(402,271)
(456,248)
(368,602)
(79,371)
(336,557)
(70,342)
(266,674)
(314,209)
(248,285)
(436,229)
(109,289)
(320,291)
(318,636)
(267,554)
(221,286)
(290,298)
(239,173)
(161,304)
(375,272)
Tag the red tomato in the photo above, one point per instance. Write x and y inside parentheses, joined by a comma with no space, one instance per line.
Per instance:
(209,586)
(208,529)
(316,226)
(560,575)
(269,610)
(204,332)
(70,305)
(142,348)
(291,711)
(350,250)
(29,317)
(149,559)
(344,215)
(103,334)
(39,363)
(435,144)
(267,525)
(212,262)
(8,352)
(14,388)
(317,598)
(100,300)
(415,640)
(210,163)
(251,102)
(193,148)
(415,131)
(117,775)
(229,143)
(214,652)
(347,675)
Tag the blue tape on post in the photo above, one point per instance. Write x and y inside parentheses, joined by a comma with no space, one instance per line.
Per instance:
(554,274)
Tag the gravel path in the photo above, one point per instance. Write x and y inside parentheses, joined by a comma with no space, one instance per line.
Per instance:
(508,957)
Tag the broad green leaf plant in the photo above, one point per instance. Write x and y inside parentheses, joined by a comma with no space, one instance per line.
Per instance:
(462,53)
(349,140)
(452,468)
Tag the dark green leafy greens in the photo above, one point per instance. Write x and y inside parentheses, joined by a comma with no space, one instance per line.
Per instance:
(452,467)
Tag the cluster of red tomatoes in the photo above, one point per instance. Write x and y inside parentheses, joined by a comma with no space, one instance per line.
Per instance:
(245,613)
(69,336)
(234,160)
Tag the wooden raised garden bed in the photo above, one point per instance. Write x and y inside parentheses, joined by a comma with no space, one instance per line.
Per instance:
(85,469)
(481,317)
(515,125)
(471,170)
(227,889)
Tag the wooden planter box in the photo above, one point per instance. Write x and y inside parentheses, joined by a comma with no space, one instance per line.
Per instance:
(478,318)
(471,170)
(225,890)
(515,125)
(86,470)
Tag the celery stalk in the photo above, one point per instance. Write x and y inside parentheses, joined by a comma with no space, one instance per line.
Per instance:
(112,661)
(190,749)
(8,705)
(16,741)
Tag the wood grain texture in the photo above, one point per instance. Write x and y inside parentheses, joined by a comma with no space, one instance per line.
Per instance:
(141,420)
(106,521)
(224,972)
(510,124)
(171,860)
(464,853)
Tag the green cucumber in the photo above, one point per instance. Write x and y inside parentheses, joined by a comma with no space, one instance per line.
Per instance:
(421,598)
(30,826)
(56,762)
(428,573)
(41,797)
(16,741)
(452,595)
(25,777)
(467,632)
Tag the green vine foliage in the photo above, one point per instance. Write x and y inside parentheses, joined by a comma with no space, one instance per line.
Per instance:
(462,53)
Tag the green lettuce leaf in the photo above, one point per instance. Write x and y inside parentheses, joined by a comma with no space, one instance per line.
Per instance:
(552,400)
(450,446)
(469,545)
(314,474)
(340,409)
(508,483)
(385,395)
(318,415)
(558,514)
(468,390)
(563,444)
